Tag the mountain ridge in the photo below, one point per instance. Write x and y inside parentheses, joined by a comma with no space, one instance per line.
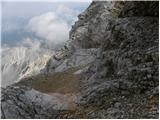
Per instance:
(20,61)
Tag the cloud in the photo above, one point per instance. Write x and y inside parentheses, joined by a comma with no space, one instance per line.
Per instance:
(67,14)
(48,27)
(53,26)
(28,42)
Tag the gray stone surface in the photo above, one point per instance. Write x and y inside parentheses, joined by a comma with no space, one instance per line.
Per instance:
(20,102)
(126,68)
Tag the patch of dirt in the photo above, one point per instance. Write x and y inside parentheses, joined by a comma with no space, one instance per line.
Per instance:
(60,82)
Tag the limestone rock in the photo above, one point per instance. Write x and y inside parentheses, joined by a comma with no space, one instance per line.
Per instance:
(126,68)
(24,102)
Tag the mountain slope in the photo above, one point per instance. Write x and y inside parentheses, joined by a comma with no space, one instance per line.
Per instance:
(119,76)
(19,62)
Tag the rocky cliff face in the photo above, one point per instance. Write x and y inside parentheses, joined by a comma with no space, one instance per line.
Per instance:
(20,61)
(113,48)
(124,77)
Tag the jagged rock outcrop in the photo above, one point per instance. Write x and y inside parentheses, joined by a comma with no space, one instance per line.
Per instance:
(115,44)
(123,80)
(141,8)
(21,102)
(127,68)
(24,102)
(20,61)
(79,58)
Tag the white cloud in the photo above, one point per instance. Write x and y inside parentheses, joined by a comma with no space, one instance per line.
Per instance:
(28,42)
(48,27)
(66,14)
(53,26)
